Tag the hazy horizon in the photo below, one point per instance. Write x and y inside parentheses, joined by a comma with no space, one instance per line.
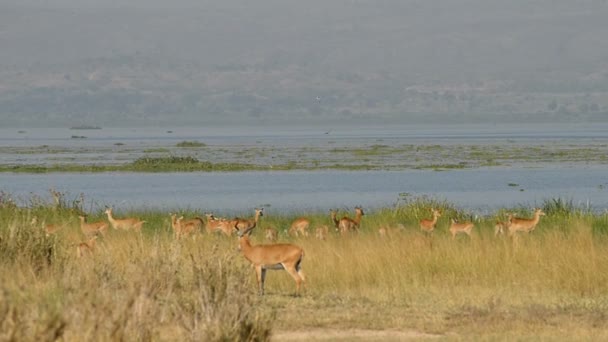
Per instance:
(187,62)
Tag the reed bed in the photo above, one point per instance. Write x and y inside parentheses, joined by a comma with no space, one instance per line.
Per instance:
(549,284)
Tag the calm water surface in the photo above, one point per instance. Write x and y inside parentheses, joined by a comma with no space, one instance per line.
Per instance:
(480,191)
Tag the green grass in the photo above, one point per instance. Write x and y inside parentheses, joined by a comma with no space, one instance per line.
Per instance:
(551,284)
(187,143)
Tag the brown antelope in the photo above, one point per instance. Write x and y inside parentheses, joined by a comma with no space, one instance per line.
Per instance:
(503,226)
(299,227)
(334,217)
(428,226)
(223,225)
(321,232)
(93,228)
(464,227)
(271,234)
(49,229)
(272,257)
(246,224)
(523,224)
(212,224)
(188,227)
(126,223)
(86,248)
(346,224)
(175,225)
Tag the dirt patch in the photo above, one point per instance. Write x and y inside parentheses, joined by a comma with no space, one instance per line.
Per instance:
(350,335)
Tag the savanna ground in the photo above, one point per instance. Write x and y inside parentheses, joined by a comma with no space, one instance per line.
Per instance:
(550,284)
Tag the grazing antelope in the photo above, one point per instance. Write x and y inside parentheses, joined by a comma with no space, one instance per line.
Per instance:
(523,224)
(86,248)
(299,227)
(271,234)
(429,225)
(272,257)
(93,228)
(464,227)
(246,224)
(321,232)
(334,217)
(346,224)
(502,226)
(126,223)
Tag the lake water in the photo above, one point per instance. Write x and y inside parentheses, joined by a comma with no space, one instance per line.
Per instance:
(480,191)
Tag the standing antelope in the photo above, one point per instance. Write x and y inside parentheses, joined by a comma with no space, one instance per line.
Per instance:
(188,227)
(93,228)
(464,227)
(502,226)
(272,257)
(126,223)
(346,224)
(428,226)
(299,227)
(248,224)
(523,224)
(334,217)
(223,225)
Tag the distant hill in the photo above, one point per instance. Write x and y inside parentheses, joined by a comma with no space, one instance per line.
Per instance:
(156,62)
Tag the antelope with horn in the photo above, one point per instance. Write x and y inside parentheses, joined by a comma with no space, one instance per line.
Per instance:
(523,224)
(428,226)
(346,224)
(279,256)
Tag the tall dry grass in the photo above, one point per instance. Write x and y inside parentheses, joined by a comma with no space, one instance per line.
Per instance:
(149,286)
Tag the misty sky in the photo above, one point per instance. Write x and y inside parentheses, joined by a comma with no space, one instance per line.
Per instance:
(198,58)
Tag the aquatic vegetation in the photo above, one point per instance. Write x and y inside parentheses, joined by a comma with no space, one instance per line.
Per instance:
(187,143)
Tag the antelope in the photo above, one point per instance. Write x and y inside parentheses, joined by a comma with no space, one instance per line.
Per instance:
(321,232)
(464,227)
(525,225)
(175,224)
(188,227)
(501,226)
(271,234)
(87,247)
(299,227)
(214,224)
(346,224)
(333,214)
(246,224)
(93,228)
(429,225)
(49,229)
(272,257)
(127,223)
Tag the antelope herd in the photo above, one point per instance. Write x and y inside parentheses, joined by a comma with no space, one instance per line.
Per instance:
(275,255)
